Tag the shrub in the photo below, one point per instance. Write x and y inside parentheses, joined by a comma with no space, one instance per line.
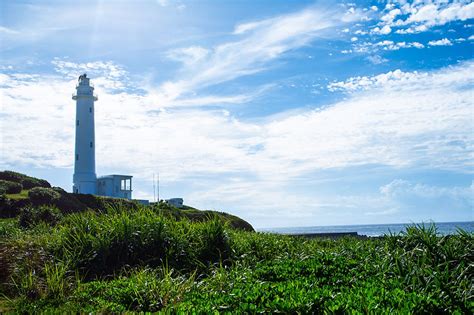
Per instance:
(4,206)
(31,216)
(213,240)
(68,203)
(43,196)
(27,181)
(101,203)
(10,187)
(11,176)
(31,182)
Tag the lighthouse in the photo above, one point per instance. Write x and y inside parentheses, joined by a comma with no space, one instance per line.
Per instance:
(84,178)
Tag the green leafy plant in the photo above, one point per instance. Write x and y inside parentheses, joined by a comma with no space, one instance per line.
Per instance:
(43,196)
(26,181)
(31,216)
(149,260)
(9,187)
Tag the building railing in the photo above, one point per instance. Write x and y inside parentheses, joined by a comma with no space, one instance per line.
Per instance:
(75,95)
(90,84)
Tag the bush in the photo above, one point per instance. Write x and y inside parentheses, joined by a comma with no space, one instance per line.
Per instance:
(101,203)
(27,181)
(11,208)
(31,182)
(11,176)
(43,196)
(68,203)
(213,241)
(4,206)
(10,187)
(31,216)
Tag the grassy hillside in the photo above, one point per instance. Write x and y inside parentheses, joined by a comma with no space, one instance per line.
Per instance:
(118,257)
(118,260)
(31,193)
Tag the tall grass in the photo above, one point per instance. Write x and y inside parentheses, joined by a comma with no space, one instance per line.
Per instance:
(100,244)
(143,261)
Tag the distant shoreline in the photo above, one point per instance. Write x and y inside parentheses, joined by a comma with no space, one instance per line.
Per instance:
(367,230)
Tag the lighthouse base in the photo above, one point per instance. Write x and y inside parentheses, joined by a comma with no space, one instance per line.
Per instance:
(84,184)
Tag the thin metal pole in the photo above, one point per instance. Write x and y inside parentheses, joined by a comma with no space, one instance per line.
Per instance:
(154,195)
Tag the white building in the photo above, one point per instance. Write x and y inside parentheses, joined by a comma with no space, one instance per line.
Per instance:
(175,202)
(119,186)
(84,179)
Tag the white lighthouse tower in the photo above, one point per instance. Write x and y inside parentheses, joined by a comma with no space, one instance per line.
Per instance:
(84,178)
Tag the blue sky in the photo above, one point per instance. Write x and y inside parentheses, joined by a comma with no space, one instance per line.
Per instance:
(286,113)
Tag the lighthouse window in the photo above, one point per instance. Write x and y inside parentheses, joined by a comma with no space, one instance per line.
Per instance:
(77,157)
(77,122)
(90,109)
(90,144)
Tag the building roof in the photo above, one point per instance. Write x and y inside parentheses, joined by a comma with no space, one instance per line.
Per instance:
(114,176)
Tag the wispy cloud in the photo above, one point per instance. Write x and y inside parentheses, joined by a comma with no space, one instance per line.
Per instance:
(408,195)
(400,188)
(257,43)
(8,31)
(391,119)
(188,55)
(398,119)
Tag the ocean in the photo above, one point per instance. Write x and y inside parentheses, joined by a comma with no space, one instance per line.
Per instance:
(443,228)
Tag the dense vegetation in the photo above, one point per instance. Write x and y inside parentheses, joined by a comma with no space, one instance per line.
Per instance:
(149,260)
(83,253)
(24,196)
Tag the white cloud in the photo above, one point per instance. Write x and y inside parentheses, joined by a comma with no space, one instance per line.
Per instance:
(421,16)
(257,44)
(189,55)
(400,79)
(368,47)
(352,132)
(398,119)
(376,59)
(8,31)
(382,31)
(409,192)
(417,45)
(403,187)
(391,15)
(171,3)
(246,27)
(440,42)
(163,3)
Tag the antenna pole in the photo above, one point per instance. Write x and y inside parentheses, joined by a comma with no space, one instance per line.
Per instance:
(158,187)
(154,195)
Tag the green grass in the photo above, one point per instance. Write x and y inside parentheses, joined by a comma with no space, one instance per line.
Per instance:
(22,195)
(121,261)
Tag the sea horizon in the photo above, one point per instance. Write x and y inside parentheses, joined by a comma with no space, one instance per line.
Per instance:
(443,228)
